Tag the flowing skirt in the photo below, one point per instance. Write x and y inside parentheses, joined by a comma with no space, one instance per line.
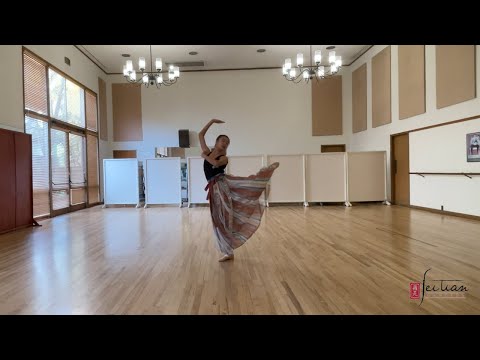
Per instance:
(235,206)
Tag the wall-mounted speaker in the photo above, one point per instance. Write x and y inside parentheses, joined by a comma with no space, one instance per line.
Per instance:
(183,138)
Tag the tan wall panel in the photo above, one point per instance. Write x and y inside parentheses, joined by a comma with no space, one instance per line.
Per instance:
(359,99)
(102,99)
(455,74)
(92,162)
(327,107)
(411,80)
(93,194)
(381,88)
(127,112)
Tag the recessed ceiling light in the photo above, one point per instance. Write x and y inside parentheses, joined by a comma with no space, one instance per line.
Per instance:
(193,53)
(330,47)
(126,55)
(261,50)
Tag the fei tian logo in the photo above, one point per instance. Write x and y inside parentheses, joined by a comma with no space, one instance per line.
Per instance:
(415,290)
(441,288)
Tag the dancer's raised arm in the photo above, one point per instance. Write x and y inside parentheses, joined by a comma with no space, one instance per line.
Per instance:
(201,134)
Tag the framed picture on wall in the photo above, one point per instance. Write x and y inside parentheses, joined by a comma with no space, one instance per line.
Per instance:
(473,147)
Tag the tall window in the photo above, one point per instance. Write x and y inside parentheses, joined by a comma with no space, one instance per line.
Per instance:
(61,116)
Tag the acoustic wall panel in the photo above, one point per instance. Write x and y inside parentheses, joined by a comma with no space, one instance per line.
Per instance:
(381,89)
(411,80)
(455,67)
(327,107)
(127,112)
(359,99)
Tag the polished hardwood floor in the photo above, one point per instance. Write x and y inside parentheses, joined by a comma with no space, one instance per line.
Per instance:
(316,260)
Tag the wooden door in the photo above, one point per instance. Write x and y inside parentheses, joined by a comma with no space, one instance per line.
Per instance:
(333,148)
(401,170)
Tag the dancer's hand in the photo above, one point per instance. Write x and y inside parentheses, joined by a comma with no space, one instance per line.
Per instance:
(216,121)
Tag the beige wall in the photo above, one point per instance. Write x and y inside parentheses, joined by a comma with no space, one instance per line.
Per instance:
(11,88)
(264,113)
(379,138)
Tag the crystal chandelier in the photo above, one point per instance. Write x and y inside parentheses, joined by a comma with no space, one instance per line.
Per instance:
(150,77)
(308,72)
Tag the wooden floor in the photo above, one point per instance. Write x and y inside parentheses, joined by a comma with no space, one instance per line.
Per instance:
(162,260)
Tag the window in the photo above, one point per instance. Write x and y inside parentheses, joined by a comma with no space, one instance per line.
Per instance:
(67,100)
(75,104)
(61,116)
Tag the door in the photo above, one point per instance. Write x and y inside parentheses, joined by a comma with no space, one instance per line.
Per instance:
(400,170)
(68,171)
(124,154)
(333,148)
(78,171)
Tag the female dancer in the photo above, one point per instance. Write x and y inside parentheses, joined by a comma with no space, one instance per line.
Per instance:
(234,201)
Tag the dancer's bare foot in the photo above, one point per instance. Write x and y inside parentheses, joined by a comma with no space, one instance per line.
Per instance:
(226,258)
(274,165)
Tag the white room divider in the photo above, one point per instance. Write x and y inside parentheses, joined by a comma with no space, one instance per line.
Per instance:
(121,182)
(288,181)
(244,165)
(163,181)
(326,178)
(196,181)
(332,177)
(367,176)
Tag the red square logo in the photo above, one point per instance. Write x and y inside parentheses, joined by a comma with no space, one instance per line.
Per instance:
(415,290)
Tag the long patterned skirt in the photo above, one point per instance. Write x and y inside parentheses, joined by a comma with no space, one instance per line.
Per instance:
(235,206)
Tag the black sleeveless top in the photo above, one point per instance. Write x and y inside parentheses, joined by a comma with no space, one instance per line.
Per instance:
(210,171)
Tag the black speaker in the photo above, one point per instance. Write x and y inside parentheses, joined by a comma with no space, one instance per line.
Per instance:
(183,139)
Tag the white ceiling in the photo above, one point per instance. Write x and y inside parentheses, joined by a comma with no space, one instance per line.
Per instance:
(109,57)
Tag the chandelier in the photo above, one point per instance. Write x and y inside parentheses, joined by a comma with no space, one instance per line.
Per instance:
(308,72)
(150,77)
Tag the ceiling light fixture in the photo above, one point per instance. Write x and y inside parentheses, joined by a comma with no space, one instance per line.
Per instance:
(151,77)
(308,72)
